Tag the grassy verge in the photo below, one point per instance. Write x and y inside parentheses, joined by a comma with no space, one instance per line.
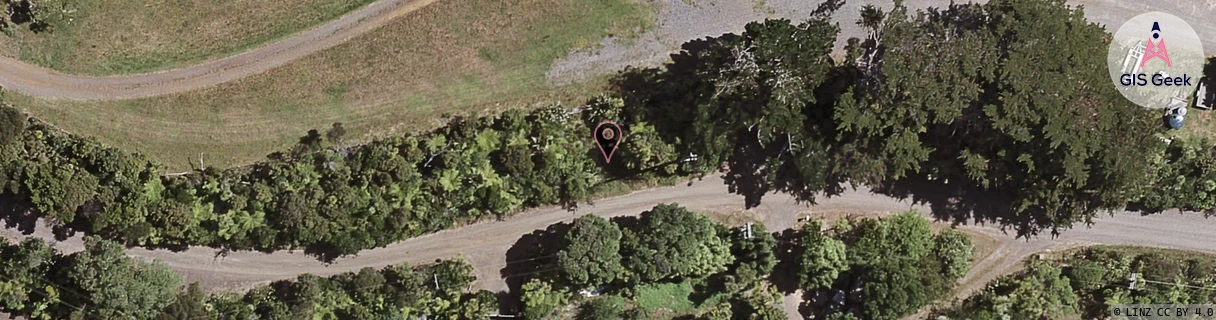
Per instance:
(1132,251)
(452,57)
(1199,124)
(103,37)
(665,297)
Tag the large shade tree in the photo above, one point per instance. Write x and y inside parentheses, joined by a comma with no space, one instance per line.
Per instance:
(590,253)
(671,241)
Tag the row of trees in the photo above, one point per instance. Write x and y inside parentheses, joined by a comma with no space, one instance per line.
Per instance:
(1091,282)
(859,269)
(879,269)
(970,101)
(667,248)
(101,282)
(979,109)
(724,266)
(319,196)
(433,291)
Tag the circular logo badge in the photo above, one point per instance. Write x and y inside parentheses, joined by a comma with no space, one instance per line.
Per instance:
(1156,60)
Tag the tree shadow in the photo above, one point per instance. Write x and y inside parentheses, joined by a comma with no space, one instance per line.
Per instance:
(21,12)
(965,203)
(533,254)
(323,252)
(507,302)
(748,172)
(17,215)
(785,274)
(1208,80)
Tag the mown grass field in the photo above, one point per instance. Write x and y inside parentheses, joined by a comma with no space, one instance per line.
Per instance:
(452,57)
(104,37)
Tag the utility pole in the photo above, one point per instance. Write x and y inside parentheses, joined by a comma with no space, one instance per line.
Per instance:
(748,231)
(1132,282)
(436,276)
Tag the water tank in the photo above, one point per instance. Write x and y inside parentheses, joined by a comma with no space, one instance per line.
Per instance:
(1174,120)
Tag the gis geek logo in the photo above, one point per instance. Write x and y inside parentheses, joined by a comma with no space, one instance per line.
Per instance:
(1152,51)
(1156,50)
(1155,60)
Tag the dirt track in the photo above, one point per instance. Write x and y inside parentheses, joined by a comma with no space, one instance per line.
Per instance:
(485,245)
(678,22)
(46,83)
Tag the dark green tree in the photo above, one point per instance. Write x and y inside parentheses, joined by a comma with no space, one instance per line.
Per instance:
(590,253)
(674,242)
(540,299)
(821,258)
(1040,292)
(12,124)
(189,304)
(112,286)
(605,308)
(954,250)
(755,253)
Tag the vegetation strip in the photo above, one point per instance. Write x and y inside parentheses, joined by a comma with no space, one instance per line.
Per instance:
(666,263)
(1090,282)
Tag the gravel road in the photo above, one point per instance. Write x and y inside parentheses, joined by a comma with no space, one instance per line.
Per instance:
(485,245)
(42,82)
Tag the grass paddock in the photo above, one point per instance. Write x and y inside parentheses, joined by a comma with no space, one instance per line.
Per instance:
(106,37)
(451,57)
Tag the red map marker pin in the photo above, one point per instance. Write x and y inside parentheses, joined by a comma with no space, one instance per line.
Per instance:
(607,137)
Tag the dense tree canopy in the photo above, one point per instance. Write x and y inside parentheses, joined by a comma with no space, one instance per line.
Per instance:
(109,285)
(12,124)
(1007,118)
(822,259)
(754,251)
(954,250)
(1018,112)
(590,252)
(324,197)
(99,282)
(1088,283)
(672,242)
(879,268)
(1040,292)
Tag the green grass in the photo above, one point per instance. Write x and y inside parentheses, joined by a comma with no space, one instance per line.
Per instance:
(105,37)
(451,57)
(669,297)
(1198,124)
